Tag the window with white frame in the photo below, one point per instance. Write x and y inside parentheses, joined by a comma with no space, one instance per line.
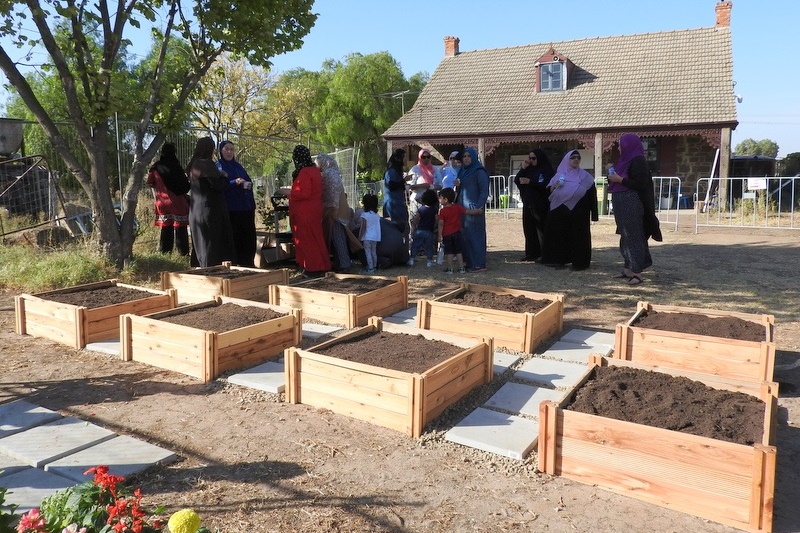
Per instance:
(552,77)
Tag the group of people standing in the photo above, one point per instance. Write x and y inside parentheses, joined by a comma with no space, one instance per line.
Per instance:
(559,205)
(412,199)
(219,209)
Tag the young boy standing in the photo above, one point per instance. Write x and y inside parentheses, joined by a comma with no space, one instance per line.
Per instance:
(370,233)
(450,228)
(424,238)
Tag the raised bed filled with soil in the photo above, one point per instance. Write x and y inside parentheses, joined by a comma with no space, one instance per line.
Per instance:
(666,439)
(86,313)
(517,319)
(381,374)
(729,345)
(203,284)
(206,339)
(345,299)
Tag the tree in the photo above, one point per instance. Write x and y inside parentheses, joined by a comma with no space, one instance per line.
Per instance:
(763,147)
(87,67)
(791,164)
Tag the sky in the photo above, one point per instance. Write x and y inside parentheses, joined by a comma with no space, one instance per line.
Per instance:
(766,68)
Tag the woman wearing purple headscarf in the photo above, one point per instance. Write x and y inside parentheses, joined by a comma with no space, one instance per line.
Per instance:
(632,197)
(573,202)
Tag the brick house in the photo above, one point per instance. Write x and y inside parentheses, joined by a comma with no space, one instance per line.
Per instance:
(674,89)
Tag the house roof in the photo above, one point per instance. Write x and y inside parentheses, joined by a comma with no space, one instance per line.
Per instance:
(665,79)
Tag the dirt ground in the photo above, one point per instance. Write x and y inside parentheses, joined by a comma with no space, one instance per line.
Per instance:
(250,463)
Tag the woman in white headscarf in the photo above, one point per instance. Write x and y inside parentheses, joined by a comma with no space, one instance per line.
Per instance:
(573,203)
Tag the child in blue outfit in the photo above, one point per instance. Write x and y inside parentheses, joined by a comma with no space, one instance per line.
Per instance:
(424,237)
(370,234)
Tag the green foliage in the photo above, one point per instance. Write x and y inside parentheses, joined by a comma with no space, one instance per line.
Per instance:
(33,270)
(791,164)
(7,512)
(763,147)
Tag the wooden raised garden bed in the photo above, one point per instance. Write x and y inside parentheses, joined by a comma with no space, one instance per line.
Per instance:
(726,482)
(398,400)
(350,309)
(76,325)
(743,361)
(205,354)
(203,284)
(522,331)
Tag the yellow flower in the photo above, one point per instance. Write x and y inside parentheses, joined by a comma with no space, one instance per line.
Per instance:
(184,521)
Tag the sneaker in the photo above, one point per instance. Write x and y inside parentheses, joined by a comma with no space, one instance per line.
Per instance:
(448,270)
(410,262)
(462,270)
(477,269)
(429,264)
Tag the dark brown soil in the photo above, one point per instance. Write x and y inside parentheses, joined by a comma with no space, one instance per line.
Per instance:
(396,351)
(347,285)
(102,297)
(225,317)
(501,302)
(676,403)
(220,273)
(725,327)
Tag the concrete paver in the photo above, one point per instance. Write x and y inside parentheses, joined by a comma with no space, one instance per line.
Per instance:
(9,465)
(124,456)
(589,337)
(507,435)
(555,374)
(110,347)
(522,399)
(268,377)
(502,361)
(575,353)
(29,487)
(43,444)
(20,415)
(315,331)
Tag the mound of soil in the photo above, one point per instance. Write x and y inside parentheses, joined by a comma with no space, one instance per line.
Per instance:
(225,317)
(220,273)
(101,297)
(346,285)
(500,302)
(396,351)
(675,403)
(726,327)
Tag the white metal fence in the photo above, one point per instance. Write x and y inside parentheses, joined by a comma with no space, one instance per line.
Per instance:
(748,202)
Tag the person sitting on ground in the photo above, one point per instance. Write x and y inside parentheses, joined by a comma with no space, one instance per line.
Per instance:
(449,222)
(424,235)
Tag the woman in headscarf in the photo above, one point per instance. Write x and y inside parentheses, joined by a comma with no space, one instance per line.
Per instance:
(450,171)
(336,211)
(473,192)
(394,191)
(424,176)
(169,183)
(633,199)
(212,236)
(241,205)
(573,203)
(305,215)
(531,180)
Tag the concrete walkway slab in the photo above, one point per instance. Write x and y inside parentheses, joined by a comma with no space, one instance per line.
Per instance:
(29,487)
(490,431)
(589,337)
(268,377)
(410,312)
(20,415)
(10,465)
(575,353)
(502,361)
(315,331)
(110,347)
(522,399)
(46,443)
(124,456)
(551,373)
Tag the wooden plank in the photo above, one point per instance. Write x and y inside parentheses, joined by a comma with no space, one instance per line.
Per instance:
(333,386)
(353,409)
(352,365)
(435,402)
(19,314)
(763,489)
(77,288)
(254,352)
(390,385)
(441,374)
(255,331)
(125,348)
(291,375)
(548,433)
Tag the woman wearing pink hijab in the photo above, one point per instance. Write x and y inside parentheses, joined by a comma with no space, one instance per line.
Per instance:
(424,176)
(573,203)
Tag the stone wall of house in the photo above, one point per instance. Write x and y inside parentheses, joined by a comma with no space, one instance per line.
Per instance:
(694,158)
(498,162)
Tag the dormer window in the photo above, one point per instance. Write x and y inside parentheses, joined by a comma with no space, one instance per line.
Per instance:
(552,76)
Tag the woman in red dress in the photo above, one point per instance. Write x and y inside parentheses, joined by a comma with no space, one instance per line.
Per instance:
(305,215)
(170,185)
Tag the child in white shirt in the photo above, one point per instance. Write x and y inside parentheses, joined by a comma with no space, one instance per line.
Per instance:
(370,234)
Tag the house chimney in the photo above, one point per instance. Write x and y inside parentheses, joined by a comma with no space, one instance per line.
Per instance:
(723,8)
(451,46)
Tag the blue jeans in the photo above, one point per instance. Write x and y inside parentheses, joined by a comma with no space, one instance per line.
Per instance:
(423,240)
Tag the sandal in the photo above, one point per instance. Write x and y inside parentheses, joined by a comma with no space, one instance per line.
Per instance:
(622,275)
(636,279)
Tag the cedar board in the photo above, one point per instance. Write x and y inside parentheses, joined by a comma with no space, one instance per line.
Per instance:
(517,331)
(729,483)
(394,399)
(206,354)
(744,361)
(194,287)
(349,310)
(77,326)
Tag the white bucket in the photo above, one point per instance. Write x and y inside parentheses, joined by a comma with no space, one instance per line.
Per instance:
(665,203)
